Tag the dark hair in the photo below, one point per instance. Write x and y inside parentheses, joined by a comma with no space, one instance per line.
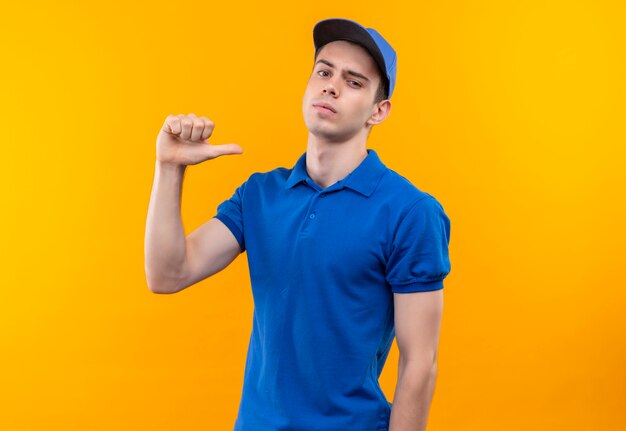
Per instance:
(381,91)
(383,85)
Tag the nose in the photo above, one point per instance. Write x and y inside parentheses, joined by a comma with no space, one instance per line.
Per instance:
(329,88)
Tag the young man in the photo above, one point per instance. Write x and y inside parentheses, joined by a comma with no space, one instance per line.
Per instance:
(344,254)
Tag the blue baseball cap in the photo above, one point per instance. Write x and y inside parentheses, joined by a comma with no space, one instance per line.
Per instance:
(332,29)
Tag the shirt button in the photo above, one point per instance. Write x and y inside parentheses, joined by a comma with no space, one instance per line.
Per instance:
(323,196)
(312,216)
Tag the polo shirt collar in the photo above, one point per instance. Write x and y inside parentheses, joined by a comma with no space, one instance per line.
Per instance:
(362,179)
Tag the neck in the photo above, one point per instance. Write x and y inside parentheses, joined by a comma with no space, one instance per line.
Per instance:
(329,161)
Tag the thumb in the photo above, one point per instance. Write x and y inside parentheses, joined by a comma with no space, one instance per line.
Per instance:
(223,149)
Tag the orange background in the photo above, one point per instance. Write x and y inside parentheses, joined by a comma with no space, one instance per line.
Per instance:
(512,114)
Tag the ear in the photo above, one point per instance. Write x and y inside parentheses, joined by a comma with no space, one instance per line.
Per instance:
(380,111)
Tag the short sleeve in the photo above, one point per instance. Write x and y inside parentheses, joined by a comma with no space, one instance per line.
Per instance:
(230,212)
(419,259)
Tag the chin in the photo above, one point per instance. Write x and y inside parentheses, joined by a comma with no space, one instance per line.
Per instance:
(327,134)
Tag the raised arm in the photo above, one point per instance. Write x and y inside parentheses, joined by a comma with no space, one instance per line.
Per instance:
(173,261)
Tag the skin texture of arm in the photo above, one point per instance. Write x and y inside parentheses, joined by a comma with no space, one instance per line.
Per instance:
(210,248)
(173,261)
(417,324)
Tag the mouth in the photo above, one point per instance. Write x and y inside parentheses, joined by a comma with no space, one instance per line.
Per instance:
(325,108)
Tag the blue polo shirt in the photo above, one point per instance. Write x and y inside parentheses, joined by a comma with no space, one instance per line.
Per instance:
(324,265)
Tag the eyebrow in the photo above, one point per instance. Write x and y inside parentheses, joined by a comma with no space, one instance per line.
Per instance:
(351,72)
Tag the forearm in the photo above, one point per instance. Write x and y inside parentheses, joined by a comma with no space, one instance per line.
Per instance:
(413,395)
(165,236)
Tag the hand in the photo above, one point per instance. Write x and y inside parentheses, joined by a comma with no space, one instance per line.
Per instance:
(183,141)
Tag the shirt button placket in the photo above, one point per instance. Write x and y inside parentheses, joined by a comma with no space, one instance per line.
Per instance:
(310,216)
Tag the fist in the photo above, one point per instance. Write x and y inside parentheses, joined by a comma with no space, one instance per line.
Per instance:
(183,141)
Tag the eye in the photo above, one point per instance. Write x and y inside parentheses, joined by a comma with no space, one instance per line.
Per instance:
(357,83)
(322,71)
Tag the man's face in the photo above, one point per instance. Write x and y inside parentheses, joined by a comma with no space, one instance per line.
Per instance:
(345,77)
